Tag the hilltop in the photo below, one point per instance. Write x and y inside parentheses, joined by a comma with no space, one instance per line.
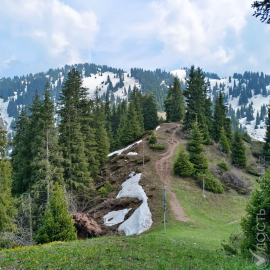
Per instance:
(195,225)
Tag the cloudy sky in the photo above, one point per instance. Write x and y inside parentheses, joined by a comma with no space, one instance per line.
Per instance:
(220,36)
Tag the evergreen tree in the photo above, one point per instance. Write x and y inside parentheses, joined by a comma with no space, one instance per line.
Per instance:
(266,146)
(257,217)
(195,148)
(57,224)
(238,155)
(21,156)
(224,143)
(174,104)
(7,203)
(258,121)
(46,164)
(219,116)
(136,97)
(129,128)
(103,144)
(150,115)
(71,139)
(196,96)
(182,165)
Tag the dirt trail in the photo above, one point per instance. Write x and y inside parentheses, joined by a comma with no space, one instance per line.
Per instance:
(162,166)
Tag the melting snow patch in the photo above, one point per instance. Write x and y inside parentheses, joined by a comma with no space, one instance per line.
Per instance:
(141,219)
(158,128)
(119,152)
(115,217)
(132,154)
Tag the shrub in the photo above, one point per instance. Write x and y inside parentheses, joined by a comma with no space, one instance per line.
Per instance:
(153,139)
(246,137)
(57,224)
(253,171)
(223,165)
(182,165)
(158,147)
(106,189)
(210,182)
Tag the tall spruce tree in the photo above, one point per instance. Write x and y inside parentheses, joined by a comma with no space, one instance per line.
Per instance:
(7,202)
(129,127)
(150,115)
(266,146)
(174,103)
(21,156)
(195,99)
(136,97)
(223,141)
(195,148)
(103,144)
(219,116)
(71,139)
(46,164)
(238,155)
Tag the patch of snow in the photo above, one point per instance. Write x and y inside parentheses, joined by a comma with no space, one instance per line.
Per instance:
(115,217)
(141,219)
(4,113)
(119,152)
(132,154)
(157,128)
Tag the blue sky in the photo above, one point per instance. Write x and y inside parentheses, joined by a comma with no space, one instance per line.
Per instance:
(219,36)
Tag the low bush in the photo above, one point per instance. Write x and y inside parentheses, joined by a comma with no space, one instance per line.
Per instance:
(246,137)
(223,165)
(106,189)
(253,171)
(153,139)
(158,147)
(210,182)
(182,165)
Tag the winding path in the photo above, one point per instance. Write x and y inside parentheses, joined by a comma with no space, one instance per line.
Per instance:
(162,166)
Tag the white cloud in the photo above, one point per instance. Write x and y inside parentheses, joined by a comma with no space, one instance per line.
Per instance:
(195,30)
(53,28)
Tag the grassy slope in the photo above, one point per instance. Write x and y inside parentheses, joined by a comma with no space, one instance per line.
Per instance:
(184,246)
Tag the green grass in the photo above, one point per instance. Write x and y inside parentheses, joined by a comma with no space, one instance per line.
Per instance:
(191,245)
(154,250)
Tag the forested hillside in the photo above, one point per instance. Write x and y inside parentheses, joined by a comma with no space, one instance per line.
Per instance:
(18,92)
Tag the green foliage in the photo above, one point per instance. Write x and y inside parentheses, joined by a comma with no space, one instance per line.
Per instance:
(210,182)
(71,138)
(57,224)
(182,165)
(246,137)
(238,155)
(253,224)
(253,171)
(174,104)
(266,147)
(223,165)
(7,203)
(150,115)
(195,148)
(129,128)
(157,146)
(197,105)
(224,142)
(106,189)
(153,139)
(219,119)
